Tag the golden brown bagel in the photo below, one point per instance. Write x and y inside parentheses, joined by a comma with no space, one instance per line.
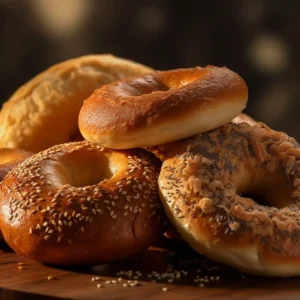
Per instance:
(44,111)
(161,107)
(10,158)
(79,204)
(204,185)
(244,118)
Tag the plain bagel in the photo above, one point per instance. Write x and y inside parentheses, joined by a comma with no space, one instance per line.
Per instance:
(161,107)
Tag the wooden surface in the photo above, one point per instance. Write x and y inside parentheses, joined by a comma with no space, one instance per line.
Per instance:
(76,283)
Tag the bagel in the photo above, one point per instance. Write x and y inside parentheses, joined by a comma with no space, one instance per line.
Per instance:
(10,158)
(79,204)
(161,151)
(210,185)
(44,111)
(161,107)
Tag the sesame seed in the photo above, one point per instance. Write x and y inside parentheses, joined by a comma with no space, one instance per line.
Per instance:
(165,289)
(50,278)
(99,285)
(107,282)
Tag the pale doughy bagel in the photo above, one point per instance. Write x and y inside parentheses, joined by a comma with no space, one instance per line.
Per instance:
(44,111)
(79,204)
(161,107)
(206,184)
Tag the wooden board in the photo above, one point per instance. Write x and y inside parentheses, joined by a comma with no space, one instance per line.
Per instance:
(30,281)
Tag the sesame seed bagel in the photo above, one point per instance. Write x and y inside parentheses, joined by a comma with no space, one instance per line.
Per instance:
(10,158)
(209,185)
(161,107)
(44,111)
(79,204)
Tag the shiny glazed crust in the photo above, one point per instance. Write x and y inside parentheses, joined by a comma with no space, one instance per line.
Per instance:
(79,204)
(161,107)
(44,111)
(9,159)
(207,185)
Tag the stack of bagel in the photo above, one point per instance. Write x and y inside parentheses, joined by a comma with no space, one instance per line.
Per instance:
(100,154)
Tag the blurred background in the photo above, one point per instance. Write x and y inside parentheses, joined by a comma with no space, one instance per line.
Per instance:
(259,39)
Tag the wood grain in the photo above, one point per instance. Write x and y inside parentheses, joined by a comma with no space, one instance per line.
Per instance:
(76,283)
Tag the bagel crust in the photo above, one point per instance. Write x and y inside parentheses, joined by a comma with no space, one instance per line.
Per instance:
(44,111)
(207,185)
(161,107)
(78,204)
(9,159)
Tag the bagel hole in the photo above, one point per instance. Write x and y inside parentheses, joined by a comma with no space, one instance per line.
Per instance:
(258,198)
(79,169)
(270,189)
